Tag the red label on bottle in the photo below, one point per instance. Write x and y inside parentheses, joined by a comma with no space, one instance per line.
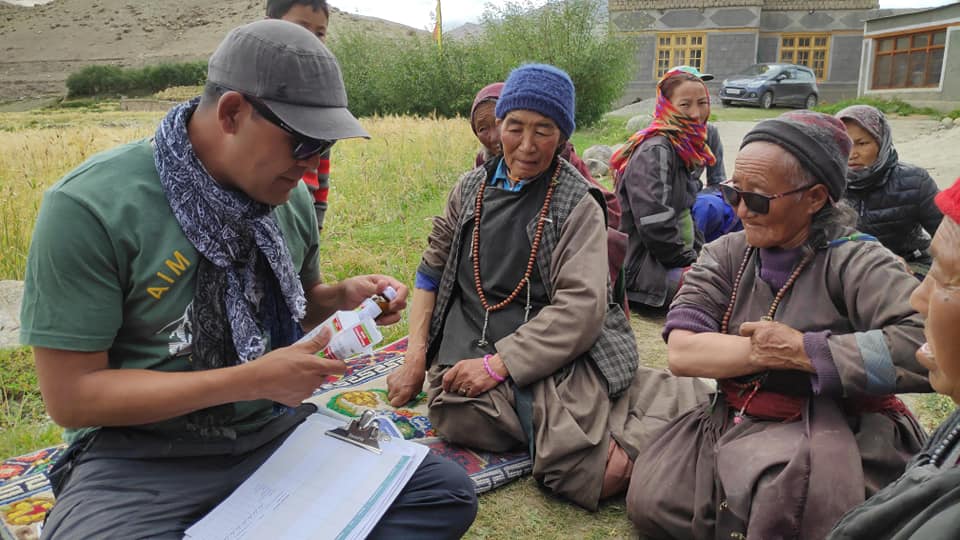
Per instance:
(362,336)
(337,325)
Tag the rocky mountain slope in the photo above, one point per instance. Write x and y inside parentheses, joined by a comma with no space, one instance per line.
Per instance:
(40,46)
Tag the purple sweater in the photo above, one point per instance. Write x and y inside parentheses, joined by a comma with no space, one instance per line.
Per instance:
(775,268)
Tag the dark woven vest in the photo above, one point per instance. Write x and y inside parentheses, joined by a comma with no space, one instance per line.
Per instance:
(615,351)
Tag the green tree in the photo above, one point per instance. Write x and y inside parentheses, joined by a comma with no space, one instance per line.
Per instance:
(565,34)
(411,76)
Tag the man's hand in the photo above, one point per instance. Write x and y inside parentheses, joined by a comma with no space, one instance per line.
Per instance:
(356,289)
(289,375)
(775,345)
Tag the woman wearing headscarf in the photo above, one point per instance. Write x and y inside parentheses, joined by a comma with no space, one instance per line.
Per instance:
(807,328)
(483,121)
(924,503)
(657,189)
(893,199)
(512,315)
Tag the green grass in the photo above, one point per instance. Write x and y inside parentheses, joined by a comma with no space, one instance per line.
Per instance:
(23,423)
(933,409)
(523,510)
(887,106)
(610,130)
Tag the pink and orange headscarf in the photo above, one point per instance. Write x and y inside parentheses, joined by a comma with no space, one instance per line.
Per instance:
(688,137)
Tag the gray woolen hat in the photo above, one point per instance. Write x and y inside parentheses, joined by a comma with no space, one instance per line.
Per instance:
(818,141)
(292,72)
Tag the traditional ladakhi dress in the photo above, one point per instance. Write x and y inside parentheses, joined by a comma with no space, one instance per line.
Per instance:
(806,448)
(574,378)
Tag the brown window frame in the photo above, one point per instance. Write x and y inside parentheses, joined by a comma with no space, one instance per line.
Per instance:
(671,48)
(929,78)
(795,48)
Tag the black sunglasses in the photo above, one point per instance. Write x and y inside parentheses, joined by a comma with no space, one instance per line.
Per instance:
(757,203)
(305,147)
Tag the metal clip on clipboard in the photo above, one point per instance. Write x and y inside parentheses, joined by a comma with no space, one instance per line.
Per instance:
(363,432)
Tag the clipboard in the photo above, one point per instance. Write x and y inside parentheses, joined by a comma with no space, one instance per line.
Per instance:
(327,480)
(363,432)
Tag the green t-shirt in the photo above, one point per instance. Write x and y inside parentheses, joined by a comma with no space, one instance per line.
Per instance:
(110,270)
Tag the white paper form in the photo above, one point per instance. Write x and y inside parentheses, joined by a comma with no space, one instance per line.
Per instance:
(314,486)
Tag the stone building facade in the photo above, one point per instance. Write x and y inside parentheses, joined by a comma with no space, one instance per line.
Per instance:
(910,56)
(723,37)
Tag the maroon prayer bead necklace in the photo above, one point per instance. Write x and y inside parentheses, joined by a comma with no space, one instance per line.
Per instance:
(525,280)
(754,386)
(724,325)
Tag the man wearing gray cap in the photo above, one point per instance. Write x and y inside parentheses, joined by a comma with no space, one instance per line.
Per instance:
(166,282)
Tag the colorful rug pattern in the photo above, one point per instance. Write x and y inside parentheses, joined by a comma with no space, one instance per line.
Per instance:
(25,495)
(364,386)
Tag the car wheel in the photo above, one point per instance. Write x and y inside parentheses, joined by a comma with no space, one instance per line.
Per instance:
(811,102)
(766,100)
(726,102)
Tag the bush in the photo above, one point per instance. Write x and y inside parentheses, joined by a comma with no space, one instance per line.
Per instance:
(98,81)
(888,107)
(411,76)
(564,34)
(101,81)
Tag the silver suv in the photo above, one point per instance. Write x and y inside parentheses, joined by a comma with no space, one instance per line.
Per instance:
(767,85)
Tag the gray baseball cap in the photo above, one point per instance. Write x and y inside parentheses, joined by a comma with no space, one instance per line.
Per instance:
(292,72)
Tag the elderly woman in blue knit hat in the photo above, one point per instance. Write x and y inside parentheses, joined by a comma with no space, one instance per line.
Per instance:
(512,322)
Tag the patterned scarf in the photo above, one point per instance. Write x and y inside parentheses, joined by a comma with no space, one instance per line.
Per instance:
(689,138)
(246,277)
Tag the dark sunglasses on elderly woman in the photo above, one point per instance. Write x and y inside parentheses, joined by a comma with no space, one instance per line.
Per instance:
(304,147)
(757,203)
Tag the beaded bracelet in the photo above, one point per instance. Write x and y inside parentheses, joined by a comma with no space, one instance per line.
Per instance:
(493,374)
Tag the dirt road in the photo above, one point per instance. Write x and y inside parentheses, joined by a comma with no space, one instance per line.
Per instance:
(918,141)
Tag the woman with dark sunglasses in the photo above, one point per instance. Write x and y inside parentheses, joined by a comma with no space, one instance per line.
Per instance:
(806,326)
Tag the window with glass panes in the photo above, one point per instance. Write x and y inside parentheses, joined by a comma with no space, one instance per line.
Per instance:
(912,60)
(679,49)
(811,50)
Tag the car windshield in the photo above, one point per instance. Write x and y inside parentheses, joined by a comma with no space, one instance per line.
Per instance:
(760,70)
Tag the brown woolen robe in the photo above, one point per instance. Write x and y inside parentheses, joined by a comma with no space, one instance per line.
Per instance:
(573,418)
(706,477)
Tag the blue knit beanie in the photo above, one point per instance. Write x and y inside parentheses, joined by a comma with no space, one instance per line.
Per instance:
(543,89)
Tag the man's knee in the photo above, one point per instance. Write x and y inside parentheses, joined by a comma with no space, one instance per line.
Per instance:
(439,501)
(452,490)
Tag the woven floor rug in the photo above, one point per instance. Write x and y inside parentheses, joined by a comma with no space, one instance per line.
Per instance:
(364,386)
(25,494)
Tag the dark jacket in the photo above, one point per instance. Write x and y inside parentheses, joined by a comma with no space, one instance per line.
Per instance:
(656,193)
(923,504)
(898,209)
